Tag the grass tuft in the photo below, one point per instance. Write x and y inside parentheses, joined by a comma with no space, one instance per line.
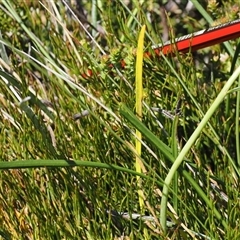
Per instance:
(83,132)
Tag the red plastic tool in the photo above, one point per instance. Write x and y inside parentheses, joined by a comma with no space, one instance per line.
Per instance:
(194,41)
(201,39)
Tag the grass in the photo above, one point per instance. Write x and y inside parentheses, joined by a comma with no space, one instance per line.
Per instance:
(73,128)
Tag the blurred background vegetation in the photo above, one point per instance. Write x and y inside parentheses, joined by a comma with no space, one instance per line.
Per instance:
(63,60)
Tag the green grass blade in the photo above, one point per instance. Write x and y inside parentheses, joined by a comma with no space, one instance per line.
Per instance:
(189,144)
(167,152)
(174,141)
(129,115)
(235,62)
(45,163)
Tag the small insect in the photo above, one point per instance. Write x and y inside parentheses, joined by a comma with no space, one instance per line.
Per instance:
(84,113)
(169,114)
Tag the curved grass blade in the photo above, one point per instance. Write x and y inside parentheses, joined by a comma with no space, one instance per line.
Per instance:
(188,145)
(175,154)
(167,152)
(46,163)
(234,62)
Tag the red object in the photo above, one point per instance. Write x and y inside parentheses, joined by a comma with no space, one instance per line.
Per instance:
(195,41)
(202,39)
